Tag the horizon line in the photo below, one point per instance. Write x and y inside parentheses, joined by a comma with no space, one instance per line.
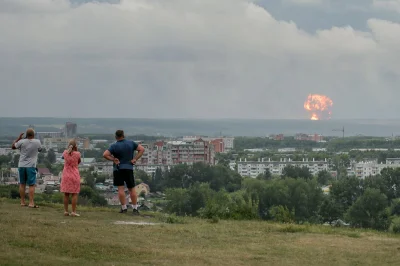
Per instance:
(194,118)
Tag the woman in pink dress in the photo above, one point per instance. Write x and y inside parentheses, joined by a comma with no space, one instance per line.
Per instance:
(71,180)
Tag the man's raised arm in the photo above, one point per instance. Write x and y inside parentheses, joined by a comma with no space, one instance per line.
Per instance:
(14,146)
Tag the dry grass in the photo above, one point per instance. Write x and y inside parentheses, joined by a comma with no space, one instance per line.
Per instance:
(45,237)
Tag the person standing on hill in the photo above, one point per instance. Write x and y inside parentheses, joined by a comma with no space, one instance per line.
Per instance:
(29,148)
(71,179)
(122,153)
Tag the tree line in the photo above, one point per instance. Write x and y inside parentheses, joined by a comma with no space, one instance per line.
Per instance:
(220,193)
(332,144)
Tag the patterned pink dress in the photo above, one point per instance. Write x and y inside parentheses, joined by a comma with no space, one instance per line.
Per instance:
(71,180)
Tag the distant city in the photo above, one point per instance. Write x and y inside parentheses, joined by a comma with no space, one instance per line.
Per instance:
(163,153)
(211,127)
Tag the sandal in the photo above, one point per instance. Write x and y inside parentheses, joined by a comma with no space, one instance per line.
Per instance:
(66,213)
(34,207)
(24,205)
(74,214)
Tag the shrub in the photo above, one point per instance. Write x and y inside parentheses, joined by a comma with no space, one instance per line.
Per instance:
(98,200)
(281,214)
(395,226)
(230,206)
(171,219)
(214,220)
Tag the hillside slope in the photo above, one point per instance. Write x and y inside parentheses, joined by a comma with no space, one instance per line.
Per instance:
(45,237)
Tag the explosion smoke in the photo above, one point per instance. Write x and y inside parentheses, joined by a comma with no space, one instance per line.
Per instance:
(319,106)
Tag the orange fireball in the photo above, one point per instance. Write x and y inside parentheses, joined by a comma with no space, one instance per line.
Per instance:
(318,106)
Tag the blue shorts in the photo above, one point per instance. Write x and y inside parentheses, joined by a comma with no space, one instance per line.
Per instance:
(27,175)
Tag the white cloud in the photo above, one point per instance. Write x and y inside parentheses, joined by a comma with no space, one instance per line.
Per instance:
(188,58)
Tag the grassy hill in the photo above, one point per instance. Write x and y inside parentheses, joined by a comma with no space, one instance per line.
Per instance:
(45,237)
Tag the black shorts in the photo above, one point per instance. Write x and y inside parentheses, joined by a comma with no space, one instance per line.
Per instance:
(122,176)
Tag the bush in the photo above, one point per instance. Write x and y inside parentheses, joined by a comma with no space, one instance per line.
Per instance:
(14,193)
(86,192)
(395,226)
(214,220)
(97,200)
(57,198)
(293,229)
(395,208)
(178,201)
(223,205)
(281,214)
(171,219)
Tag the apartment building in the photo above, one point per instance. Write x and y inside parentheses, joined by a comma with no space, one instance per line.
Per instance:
(5,151)
(150,169)
(228,143)
(62,143)
(254,168)
(221,144)
(276,137)
(373,168)
(42,135)
(105,168)
(55,143)
(170,153)
(313,137)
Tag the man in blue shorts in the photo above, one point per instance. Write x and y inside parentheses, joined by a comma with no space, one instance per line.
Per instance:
(122,153)
(29,148)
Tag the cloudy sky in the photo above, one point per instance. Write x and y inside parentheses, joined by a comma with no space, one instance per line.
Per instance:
(198,58)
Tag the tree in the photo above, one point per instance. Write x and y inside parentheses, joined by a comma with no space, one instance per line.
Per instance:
(199,194)
(90,180)
(5,159)
(177,176)
(305,197)
(223,159)
(296,172)
(395,207)
(265,176)
(98,200)
(324,177)
(143,177)
(178,201)
(341,161)
(40,158)
(15,160)
(157,180)
(281,214)
(330,210)
(86,192)
(100,178)
(222,177)
(346,191)
(391,180)
(376,182)
(369,210)
(51,156)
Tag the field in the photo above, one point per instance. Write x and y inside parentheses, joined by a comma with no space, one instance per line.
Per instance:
(45,237)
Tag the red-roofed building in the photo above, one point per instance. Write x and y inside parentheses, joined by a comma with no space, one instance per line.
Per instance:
(44,172)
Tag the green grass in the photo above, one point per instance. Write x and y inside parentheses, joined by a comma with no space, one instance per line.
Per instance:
(45,237)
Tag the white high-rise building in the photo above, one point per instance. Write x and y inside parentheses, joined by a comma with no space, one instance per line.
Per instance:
(254,168)
(373,168)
